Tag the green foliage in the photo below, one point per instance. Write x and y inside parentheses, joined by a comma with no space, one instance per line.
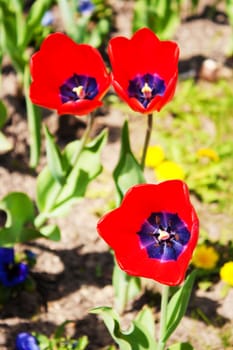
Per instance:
(126,288)
(20,217)
(139,336)
(17,31)
(200,117)
(161,16)
(59,342)
(128,171)
(178,304)
(5,145)
(90,28)
(54,158)
(79,165)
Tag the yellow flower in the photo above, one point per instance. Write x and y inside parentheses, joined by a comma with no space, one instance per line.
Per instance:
(205,257)
(226,273)
(155,155)
(208,153)
(169,170)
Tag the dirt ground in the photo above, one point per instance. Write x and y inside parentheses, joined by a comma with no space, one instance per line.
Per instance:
(68,284)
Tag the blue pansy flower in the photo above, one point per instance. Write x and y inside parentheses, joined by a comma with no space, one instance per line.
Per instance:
(11,273)
(86,7)
(26,341)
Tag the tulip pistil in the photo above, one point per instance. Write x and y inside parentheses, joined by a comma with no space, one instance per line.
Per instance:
(146,87)
(78,87)
(147,91)
(79,90)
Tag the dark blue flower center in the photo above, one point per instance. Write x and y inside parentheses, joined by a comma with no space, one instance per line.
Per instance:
(145,87)
(164,236)
(78,87)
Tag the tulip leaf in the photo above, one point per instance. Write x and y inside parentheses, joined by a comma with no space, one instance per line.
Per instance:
(55,199)
(128,171)
(51,231)
(178,304)
(47,189)
(54,158)
(137,337)
(126,287)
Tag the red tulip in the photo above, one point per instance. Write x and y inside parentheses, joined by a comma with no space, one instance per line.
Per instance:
(153,232)
(67,76)
(144,70)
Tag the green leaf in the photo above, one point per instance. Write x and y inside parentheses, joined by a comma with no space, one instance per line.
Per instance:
(178,304)
(35,15)
(54,199)
(229,10)
(42,340)
(128,172)
(47,189)
(9,36)
(20,215)
(19,226)
(181,346)
(3,114)
(60,330)
(137,337)
(54,158)
(126,288)
(51,231)
(19,208)
(5,144)
(146,319)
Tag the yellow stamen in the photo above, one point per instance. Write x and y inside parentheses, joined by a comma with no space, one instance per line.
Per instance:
(79,90)
(163,235)
(146,90)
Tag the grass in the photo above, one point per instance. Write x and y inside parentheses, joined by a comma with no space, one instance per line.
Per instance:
(201,117)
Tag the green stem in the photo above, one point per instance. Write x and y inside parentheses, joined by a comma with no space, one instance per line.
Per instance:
(34,122)
(163,317)
(84,139)
(147,139)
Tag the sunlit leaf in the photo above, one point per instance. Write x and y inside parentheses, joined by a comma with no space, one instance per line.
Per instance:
(178,304)
(54,158)
(126,288)
(137,337)
(128,172)
(54,198)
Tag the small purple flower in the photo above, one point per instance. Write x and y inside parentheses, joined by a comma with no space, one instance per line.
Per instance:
(11,273)
(86,7)
(26,341)
(47,19)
